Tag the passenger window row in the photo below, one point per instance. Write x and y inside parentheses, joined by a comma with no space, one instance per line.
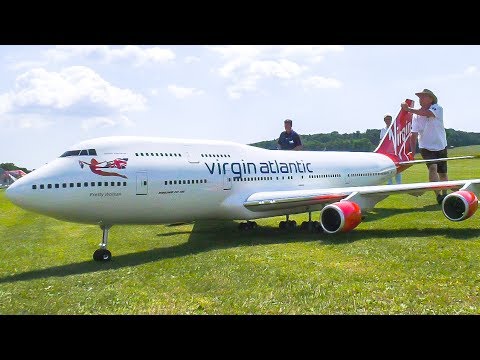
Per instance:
(80,184)
(185,182)
(158,154)
(177,154)
(263,178)
(255,178)
(324,176)
(214,155)
(365,174)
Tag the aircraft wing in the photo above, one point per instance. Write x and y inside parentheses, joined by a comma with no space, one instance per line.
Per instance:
(413,162)
(365,196)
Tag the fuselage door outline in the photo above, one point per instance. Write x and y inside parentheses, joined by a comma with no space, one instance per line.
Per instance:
(227,180)
(142,183)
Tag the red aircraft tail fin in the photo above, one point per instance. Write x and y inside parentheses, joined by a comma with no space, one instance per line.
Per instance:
(396,142)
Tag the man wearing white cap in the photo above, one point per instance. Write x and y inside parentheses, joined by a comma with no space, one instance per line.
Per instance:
(428,128)
(388,121)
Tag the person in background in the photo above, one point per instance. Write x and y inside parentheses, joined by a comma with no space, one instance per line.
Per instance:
(289,139)
(428,128)
(388,121)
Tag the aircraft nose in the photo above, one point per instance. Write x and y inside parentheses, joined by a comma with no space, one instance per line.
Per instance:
(19,194)
(12,193)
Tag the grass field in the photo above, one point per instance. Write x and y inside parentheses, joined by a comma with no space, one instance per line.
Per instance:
(405,258)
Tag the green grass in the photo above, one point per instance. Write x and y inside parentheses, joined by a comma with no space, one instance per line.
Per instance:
(405,258)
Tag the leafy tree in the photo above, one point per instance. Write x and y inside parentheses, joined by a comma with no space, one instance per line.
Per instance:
(11,166)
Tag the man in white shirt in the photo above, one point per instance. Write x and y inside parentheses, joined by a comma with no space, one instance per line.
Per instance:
(388,121)
(428,128)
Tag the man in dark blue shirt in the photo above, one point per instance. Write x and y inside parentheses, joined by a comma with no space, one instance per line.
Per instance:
(289,139)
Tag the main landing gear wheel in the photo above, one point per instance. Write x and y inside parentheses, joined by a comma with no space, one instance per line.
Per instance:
(249,225)
(103,254)
(289,224)
(313,226)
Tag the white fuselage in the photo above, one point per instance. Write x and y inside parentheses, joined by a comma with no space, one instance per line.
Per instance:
(162,180)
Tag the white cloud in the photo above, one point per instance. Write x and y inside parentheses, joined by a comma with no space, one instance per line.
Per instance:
(25,121)
(183,92)
(104,53)
(5,103)
(97,122)
(471,70)
(284,69)
(468,72)
(125,121)
(26,64)
(228,70)
(245,65)
(240,51)
(257,70)
(191,59)
(312,53)
(70,87)
(106,122)
(32,122)
(76,91)
(244,85)
(321,82)
(64,52)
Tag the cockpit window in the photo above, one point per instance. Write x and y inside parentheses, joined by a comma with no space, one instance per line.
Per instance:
(79,152)
(71,153)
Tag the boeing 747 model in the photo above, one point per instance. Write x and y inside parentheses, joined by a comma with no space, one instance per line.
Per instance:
(148,180)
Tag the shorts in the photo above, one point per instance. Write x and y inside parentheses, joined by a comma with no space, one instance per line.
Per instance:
(442,165)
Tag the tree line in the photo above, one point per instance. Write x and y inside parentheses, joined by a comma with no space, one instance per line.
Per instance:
(12,166)
(364,141)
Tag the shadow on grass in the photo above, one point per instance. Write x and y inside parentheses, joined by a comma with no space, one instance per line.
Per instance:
(178,224)
(173,233)
(381,234)
(207,236)
(381,213)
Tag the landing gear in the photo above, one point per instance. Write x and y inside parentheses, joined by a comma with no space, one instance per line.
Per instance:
(290,224)
(249,225)
(103,254)
(312,226)
(287,224)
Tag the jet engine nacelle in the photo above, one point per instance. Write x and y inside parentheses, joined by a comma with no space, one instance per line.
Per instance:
(340,216)
(459,205)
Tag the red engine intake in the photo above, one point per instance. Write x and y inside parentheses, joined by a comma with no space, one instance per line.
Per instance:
(340,216)
(459,205)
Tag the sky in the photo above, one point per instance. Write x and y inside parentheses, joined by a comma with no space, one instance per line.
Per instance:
(52,97)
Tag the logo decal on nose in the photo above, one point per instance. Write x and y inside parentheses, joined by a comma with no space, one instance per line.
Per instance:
(95,166)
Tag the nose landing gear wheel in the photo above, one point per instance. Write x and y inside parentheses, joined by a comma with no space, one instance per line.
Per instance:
(102,255)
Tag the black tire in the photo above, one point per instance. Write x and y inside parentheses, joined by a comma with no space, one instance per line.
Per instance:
(252,225)
(282,225)
(102,255)
(317,226)
(292,224)
(242,226)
